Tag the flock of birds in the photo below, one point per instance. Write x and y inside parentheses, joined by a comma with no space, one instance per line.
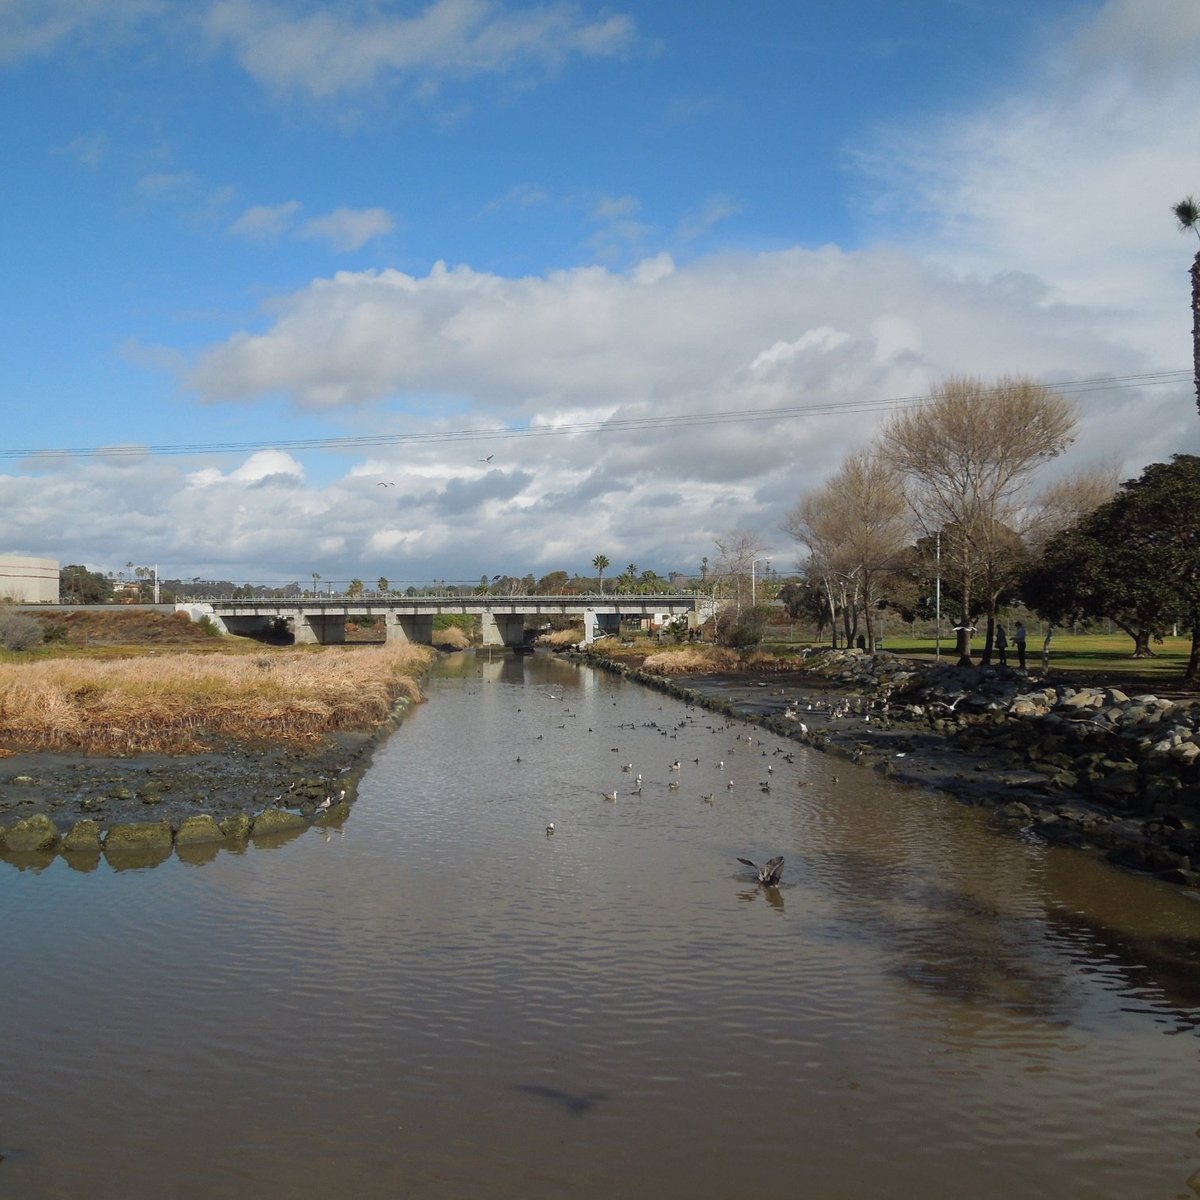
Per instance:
(746,749)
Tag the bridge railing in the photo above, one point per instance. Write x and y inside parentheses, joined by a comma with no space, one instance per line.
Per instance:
(392,598)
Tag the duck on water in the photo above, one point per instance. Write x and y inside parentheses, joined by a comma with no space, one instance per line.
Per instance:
(771,873)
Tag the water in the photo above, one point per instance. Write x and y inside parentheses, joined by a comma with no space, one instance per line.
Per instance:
(445,1000)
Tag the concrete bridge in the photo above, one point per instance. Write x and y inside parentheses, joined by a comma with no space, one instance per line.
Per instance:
(410,618)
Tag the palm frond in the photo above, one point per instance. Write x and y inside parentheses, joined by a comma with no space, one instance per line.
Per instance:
(1187,213)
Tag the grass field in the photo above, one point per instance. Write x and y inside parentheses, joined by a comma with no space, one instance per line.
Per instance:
(1094,653)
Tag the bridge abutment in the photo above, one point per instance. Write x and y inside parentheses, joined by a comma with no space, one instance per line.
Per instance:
(598,624)
(503,629)
(323,629)
(410,627)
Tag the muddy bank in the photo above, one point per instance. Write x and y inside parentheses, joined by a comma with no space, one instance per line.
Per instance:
(138,808)
(1086,767)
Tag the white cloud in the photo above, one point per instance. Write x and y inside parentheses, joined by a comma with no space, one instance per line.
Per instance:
(660,335)
(88,150)
(333,52)
(1070,177)
(710,214)
(275,466)
(349,228)
(31,28)
(680,367)
(266,222)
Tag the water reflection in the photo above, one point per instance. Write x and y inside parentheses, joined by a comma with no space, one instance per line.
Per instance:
(402,1006)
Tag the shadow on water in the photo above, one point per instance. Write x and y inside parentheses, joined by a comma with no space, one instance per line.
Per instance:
(957,945)
(1170,965)
(578,1104)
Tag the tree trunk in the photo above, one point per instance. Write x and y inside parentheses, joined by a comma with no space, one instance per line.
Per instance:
(832,615)
(963,646)
(1195,273)
(985,659)
(1192,674)
(1141,643)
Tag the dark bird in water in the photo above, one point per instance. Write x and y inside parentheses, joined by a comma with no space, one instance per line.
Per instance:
(770,874)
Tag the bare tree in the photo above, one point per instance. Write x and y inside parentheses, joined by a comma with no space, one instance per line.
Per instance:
(968,457)
(856,527)
(736,555)
(1066,501)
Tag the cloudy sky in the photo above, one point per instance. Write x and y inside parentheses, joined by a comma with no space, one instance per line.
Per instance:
(282,274)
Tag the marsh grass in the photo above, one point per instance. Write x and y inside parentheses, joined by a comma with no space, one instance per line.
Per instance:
(559,638)
(683,660)
(181,703)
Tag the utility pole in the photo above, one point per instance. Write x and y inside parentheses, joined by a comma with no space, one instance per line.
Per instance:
(937,652)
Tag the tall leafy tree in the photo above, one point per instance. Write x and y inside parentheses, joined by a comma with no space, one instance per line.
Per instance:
(1187,213)
(1138,554)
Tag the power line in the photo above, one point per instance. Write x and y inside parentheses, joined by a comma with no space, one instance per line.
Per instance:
(609,425)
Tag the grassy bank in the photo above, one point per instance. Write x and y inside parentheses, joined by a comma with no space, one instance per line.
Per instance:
(181,702)
(1094,658)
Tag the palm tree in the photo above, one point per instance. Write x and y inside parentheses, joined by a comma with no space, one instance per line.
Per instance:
(1187,213)
(600,562)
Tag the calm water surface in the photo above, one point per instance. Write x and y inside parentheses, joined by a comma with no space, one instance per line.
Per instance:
(444,1000)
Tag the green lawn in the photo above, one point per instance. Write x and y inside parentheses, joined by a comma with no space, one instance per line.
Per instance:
(1095,654)
(1092,653)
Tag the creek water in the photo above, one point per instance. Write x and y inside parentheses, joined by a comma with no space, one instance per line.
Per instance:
(444,999)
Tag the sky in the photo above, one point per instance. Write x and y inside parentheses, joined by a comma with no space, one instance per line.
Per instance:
(439,289)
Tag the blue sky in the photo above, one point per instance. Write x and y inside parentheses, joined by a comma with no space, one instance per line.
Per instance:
(249,224)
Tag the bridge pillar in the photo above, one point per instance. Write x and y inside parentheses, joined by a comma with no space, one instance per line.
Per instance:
(405,627)
(507,629)
(318,628)
(599,625)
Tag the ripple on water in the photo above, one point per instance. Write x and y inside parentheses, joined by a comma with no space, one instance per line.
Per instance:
(408,1009)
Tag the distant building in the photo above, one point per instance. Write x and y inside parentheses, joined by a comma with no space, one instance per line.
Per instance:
(28,580)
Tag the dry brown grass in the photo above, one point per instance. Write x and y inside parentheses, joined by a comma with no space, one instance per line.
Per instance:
(562,637)
(452,637)
(685,660)
(181,702)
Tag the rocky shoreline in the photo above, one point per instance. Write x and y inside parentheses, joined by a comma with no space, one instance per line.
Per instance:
(137,810)
(1089,767)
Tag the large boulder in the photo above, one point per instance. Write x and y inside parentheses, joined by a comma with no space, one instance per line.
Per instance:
(151,835)
(236,827)
(277,820)
(82,838)
(197,830)
(32,833)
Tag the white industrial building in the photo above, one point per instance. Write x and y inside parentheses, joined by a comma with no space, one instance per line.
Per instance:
(28,580)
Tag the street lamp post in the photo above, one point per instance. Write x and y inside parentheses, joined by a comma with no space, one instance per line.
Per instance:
(753,562)
(937,634)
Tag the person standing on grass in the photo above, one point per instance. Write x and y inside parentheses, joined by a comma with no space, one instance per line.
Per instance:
(1019,642)
(1002,645)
